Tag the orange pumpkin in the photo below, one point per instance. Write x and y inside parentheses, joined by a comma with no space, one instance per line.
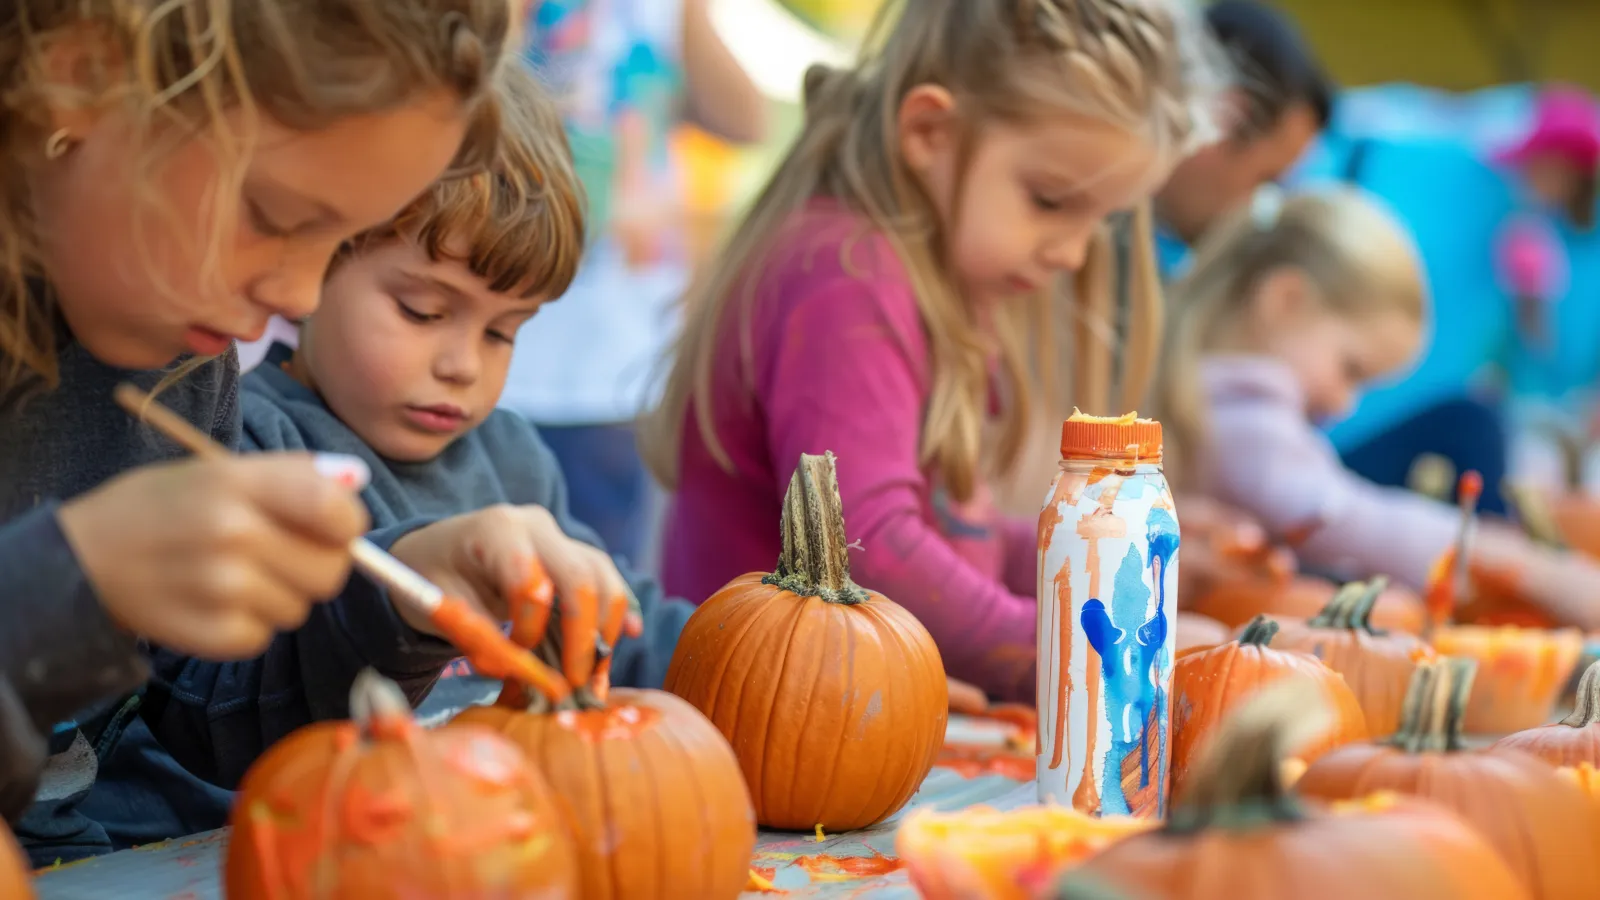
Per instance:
(1572,741)
(381,808)
(1521,673)
(649,789)
(1235,603)
(1541,825)
(1586,777)
(979,852)
(1239,833)
(1377,665)
(14,882)
(834,697)
(1195,630)
(1207,685)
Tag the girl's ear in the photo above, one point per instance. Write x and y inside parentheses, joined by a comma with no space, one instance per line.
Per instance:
(927,127)
(79,66)
(1282,296)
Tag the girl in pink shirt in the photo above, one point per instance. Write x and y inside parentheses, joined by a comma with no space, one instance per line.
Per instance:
(887,297)
(1287,311)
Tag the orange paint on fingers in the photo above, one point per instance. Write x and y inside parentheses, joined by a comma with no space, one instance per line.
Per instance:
(580,623)
(531,602)
(615,620)
(491,652)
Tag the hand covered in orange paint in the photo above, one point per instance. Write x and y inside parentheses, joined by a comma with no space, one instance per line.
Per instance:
(515,563)
(1223,544)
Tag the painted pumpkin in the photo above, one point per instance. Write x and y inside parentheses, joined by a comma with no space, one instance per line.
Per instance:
(1572,741)
(1240,833)
(1376,664)
(649,789)
(1302,597)
(1197,631)
(1541,825)
(1210,684)
(379,807)
(814,680)
(1521,673)
(14,880)
(979,852)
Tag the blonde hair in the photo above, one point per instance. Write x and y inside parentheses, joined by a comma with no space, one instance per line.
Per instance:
(1139,64)
(177,66)
(1359,257)
(519,224)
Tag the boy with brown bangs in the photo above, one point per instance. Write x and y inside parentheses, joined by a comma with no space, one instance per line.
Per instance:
(402,365)
(405,361)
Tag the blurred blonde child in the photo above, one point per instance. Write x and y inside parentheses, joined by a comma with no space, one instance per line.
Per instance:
(874,300)
(1290,308)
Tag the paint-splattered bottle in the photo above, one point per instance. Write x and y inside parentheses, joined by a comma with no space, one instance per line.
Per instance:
(1108,582)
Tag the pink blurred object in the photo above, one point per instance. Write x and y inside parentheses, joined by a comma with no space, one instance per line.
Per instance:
(1566,122)
(1531,259)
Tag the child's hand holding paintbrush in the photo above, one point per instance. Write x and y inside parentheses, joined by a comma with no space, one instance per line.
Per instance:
(450,577)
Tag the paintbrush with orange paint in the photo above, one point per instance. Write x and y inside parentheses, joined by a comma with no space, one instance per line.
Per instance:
(478,636)
(1448,582)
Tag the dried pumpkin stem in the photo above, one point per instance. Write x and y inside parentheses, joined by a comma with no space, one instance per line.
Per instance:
(1351,608)
(1587,711)
(1239,780)
(1259,632)
(815,560)
(1435,706)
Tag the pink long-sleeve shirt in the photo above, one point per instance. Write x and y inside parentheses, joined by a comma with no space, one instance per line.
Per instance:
(1265,458)
(838,361)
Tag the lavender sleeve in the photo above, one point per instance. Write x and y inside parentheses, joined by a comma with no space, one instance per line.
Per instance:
(841,374)
(1278,468)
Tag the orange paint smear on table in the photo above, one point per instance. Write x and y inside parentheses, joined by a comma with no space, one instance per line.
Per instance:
(761,881)
(824,867)
(491,652)
(611,724)
(973,760)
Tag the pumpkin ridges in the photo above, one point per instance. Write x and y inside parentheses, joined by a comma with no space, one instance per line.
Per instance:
(739,610)
(1572,741)
(910,648)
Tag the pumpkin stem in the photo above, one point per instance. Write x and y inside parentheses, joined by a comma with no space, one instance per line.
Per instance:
(1435,706)
(1238,782)
(1587,710)
(379,708)
(1351,607)
(815,561)
(1259,632)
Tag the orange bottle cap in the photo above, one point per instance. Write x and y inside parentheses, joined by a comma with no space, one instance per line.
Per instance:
(1118,438)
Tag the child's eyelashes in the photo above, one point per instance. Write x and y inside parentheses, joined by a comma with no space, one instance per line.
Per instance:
(261,223)
(501,337)
(416,315)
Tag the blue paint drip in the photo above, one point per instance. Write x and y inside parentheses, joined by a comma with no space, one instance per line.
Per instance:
(1129,660)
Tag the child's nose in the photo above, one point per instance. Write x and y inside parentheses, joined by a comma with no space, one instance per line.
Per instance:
(1066,254)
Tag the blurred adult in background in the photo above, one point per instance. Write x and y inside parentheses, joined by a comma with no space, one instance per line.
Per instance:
(1283,100)
(627,72)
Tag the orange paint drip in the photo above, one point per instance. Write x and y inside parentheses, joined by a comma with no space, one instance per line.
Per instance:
(492,653)
(1064,657)
(531,603)
(824,867)
(760,881)
(619,723)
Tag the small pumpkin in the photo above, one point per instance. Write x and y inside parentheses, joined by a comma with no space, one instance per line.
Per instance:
(14,880)
(1239,833)
(379,807)
(649,789)
(1236,603)
(1208,685)
(1586,777)
(981,852)
(833,697)
(1541,825)
(1197,631)
(1571,741)
(1521,673)
(1376,664)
